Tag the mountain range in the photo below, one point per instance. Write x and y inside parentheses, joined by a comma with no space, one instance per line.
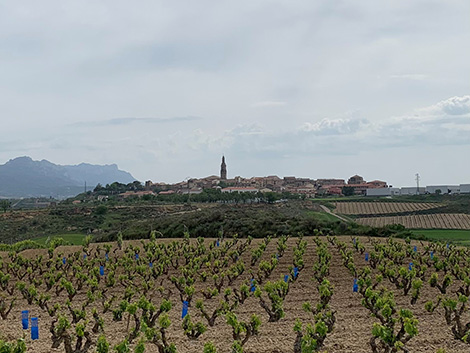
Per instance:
(23,177)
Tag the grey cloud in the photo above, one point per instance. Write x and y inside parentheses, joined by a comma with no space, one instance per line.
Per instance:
(269,104)
(336,126)
(127,121)
(348,136)
(159,57)
(451,106)
(416,77)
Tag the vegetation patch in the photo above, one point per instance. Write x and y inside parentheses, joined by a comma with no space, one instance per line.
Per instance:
(448,235)
(72,239)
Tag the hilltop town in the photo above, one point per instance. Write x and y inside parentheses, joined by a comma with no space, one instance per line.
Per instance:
(272,183)
(355,185)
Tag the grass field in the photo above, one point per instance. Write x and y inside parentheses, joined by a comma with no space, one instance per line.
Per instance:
(457,236)
(73,239)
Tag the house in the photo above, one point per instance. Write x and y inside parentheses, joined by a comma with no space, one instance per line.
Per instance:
(127,194)
(376,184)
(192,191)
(355,180)
(325,182)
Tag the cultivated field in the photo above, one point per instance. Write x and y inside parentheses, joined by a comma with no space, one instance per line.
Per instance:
(132,292)
(373,208)
(425,221)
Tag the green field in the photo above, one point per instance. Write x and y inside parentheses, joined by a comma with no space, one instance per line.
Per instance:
(456,236)
(73,239)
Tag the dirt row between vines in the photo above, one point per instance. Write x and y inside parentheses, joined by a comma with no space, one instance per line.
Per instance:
(428,221)
(366,208)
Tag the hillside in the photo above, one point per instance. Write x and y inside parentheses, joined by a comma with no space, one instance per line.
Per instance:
(136,220)
(23,177)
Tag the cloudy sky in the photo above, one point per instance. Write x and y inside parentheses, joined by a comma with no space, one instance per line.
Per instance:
(316,89)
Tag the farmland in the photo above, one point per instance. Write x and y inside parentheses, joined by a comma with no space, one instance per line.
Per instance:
(456,236)
(137,299)
(379,208)
(449,214)
(424,221)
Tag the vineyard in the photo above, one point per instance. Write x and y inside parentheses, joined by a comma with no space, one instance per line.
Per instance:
(425,221)
(283,294)
(376,208)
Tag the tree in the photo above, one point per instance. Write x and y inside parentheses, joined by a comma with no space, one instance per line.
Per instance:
(270,197)
(5,205)
(347,190)
(101,210)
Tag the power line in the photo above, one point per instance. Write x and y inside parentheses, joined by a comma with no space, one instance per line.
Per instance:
(417,183)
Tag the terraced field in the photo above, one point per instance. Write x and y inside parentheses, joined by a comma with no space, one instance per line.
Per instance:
(424,221)
(373,208)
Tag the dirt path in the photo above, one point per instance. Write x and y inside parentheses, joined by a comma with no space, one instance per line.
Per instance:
(327,210)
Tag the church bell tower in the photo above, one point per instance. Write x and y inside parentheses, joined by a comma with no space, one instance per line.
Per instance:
(223,169)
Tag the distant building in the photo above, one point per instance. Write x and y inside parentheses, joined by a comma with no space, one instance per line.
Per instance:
(355,180)
(331,190)
(289,181)
(239,190)
(376,184)
(135,194)
(412,190)
(273,182)
(223,169)
(444,189)
(383,192)
(326,182)
(465,188)
(192,191)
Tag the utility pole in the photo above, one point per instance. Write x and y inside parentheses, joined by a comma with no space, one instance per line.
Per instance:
(417,183)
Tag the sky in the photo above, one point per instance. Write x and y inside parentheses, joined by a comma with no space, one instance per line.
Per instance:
(318,89)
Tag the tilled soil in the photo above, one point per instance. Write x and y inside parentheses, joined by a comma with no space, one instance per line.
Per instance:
(352,331)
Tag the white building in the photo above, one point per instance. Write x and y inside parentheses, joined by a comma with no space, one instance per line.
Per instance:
(444,189)
(465,188)
(194,191)
(412,190)
(383,192)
